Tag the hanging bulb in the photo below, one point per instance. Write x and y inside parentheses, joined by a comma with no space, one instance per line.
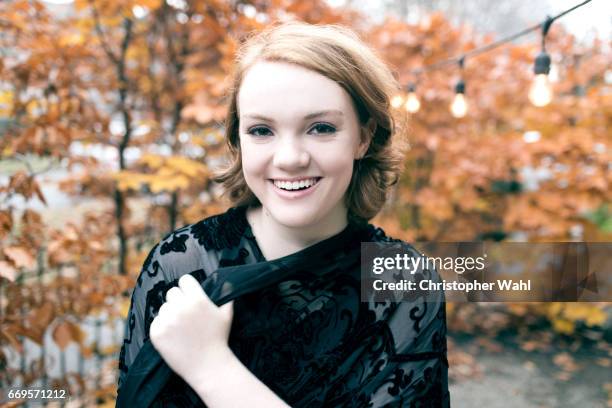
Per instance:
(540,93)
(459,106)
(397,101)
(553,76)
(412,101)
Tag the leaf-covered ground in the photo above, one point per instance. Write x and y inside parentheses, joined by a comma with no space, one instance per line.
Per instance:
(561,371)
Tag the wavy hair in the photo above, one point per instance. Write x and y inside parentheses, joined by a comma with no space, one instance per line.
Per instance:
(338,53)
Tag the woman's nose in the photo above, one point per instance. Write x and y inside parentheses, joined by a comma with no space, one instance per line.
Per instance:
(290,154)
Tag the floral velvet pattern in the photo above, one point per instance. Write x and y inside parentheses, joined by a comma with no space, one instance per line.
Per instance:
(310,338)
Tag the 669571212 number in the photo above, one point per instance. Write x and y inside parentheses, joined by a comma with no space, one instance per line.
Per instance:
(36,394)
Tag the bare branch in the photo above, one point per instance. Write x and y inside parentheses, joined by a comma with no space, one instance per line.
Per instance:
(101,35)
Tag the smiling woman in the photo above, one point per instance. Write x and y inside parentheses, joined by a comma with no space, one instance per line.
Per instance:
(314,150)
(316,137)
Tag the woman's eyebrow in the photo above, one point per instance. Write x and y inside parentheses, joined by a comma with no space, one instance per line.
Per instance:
(307,117)
(323,113)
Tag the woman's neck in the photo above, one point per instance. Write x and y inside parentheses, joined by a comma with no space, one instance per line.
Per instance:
(276,240)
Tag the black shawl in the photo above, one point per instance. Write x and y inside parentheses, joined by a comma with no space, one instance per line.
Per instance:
(299,323)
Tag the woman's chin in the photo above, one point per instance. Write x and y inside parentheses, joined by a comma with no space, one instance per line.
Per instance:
(292,218)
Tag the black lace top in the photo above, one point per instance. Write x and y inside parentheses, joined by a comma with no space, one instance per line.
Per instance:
(299,323)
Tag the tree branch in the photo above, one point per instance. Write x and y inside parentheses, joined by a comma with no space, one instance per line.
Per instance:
(100,33)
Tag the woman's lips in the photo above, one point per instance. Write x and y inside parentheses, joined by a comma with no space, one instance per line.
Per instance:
(296,179)
(295,193)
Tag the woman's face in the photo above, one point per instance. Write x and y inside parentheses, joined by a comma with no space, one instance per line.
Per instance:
(297,125)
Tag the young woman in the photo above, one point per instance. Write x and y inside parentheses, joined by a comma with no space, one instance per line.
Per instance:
(261,306)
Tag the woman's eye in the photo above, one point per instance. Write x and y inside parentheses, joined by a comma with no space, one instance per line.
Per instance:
(319,128)
(258,131)
(323,128)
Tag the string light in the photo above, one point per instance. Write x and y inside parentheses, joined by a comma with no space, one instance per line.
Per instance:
(397,101)
(459,106)
(412,104)
(540,93)
(541,85)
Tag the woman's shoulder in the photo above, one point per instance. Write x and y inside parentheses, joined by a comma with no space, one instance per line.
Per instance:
(192,246)
(388,244)
(214,232)
(220,231)
(378,235)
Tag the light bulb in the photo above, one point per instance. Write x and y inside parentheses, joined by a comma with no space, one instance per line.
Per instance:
(459,106)
(412,103)
(397,101)
(540,93)
(553,75)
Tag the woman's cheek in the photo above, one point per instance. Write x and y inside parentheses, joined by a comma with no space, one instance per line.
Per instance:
(252,163)
(340,167)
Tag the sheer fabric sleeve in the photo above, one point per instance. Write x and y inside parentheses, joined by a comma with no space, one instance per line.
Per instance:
(415,372)
(147,298)
(401,358)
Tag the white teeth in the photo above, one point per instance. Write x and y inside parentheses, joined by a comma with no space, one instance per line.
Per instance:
(288,185)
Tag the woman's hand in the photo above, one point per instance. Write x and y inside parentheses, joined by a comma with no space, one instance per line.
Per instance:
(190,332)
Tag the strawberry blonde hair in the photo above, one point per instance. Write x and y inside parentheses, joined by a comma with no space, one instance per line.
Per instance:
(339,54)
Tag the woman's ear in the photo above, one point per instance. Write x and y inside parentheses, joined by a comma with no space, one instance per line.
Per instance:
(367,133)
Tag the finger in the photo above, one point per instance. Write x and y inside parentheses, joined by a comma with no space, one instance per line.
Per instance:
(191,287)
(155,331)
(164,308)
(155,326)
(174,294)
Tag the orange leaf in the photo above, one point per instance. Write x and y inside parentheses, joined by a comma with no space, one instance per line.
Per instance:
(6,223)
(11,338)
(65,332)
(20,257)
(39,320)
(7,271)
(38,192)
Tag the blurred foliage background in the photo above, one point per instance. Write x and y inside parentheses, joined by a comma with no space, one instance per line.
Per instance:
(111,120)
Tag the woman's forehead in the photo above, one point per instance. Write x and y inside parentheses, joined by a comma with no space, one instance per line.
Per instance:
(272,87)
